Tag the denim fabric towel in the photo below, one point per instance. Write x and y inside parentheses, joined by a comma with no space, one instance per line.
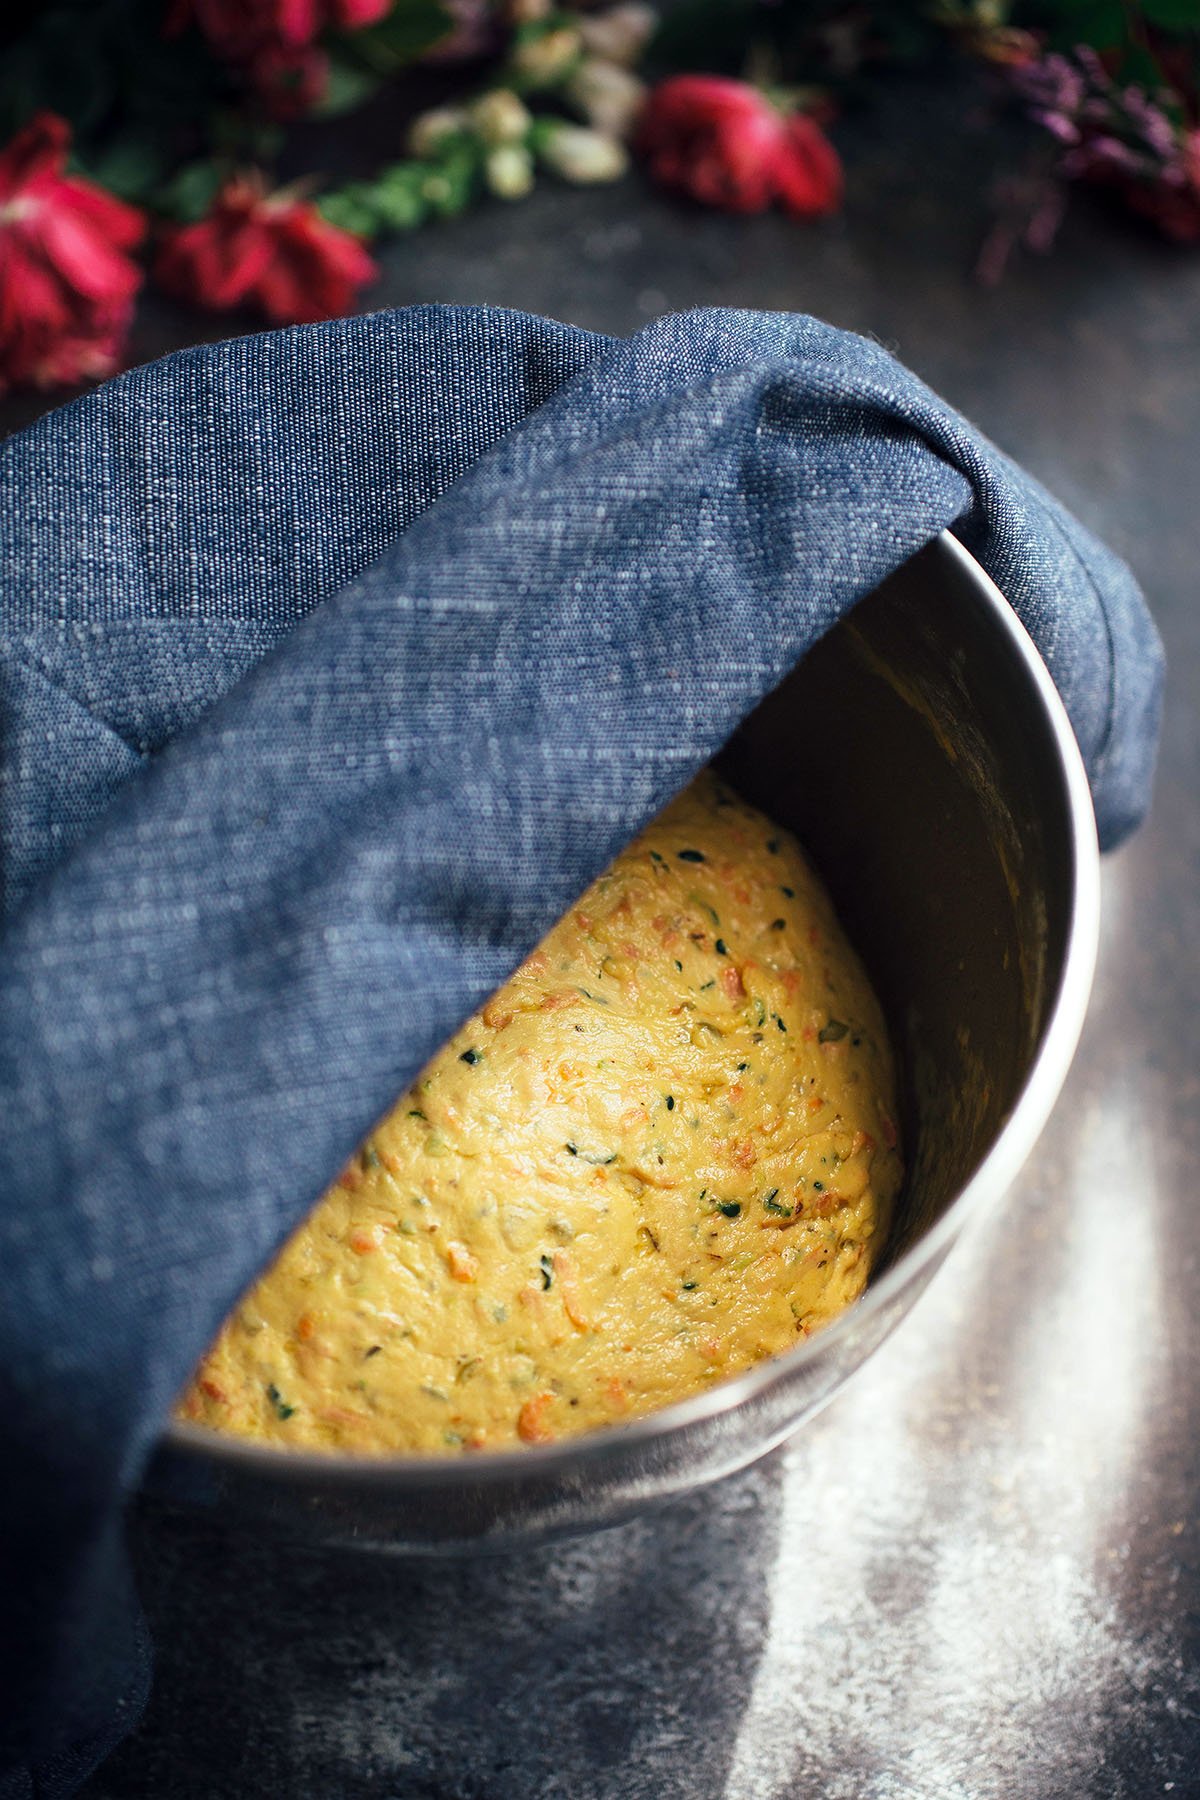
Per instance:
(333,663)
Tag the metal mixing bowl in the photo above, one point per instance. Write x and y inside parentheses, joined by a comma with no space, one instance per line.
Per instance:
(922,754)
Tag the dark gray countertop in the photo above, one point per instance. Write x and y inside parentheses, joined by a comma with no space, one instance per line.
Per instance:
(978,1573)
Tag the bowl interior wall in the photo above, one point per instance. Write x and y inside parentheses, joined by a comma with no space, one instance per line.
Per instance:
(913,755)
(912,761)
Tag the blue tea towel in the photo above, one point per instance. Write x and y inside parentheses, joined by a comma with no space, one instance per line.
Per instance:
(333,664)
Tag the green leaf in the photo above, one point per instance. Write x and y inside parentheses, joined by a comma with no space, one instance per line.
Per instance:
(403,34)
(190,192)
(350,209)
(1100,23)
(1173,15)
(1141,68)
(129,168)
(401,206)
(447,186)
(348,86)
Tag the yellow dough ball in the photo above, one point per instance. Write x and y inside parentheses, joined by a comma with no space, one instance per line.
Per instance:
(663,1150)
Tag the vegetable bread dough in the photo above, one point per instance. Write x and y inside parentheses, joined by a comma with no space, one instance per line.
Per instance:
(663,1150)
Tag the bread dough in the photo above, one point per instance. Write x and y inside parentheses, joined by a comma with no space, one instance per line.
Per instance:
(663,1150)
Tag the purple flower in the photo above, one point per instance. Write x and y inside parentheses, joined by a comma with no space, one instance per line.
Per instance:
(1053,85)
(1105,131)
(1089,61)
(1109,152)
(1119,137)
(1152,122)
(1058,125)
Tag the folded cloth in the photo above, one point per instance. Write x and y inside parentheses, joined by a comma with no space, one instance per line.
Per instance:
(334,662)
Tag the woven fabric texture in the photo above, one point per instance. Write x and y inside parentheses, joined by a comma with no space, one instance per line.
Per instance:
(333,663)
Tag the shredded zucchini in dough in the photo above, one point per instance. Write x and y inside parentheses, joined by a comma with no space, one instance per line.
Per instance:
(663,1150)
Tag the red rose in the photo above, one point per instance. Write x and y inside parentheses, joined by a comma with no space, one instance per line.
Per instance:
(724,143)
(809,176)
(240,29)
(66,288)
(353,15)
(271,251)
(273,42)
(289,79)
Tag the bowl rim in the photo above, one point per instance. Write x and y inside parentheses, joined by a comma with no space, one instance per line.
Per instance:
(994,1175)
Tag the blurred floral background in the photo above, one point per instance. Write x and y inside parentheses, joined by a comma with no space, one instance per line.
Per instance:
(186,143)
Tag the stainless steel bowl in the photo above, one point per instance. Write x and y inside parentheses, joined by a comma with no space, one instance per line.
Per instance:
(922,753)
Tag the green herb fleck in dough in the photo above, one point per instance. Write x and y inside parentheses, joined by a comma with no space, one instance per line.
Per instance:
(281,1407)
(536,1263)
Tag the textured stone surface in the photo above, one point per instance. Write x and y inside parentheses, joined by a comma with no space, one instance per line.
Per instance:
(977,1574)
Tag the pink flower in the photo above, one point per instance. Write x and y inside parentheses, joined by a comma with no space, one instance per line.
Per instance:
(66,286)
(724,143)
(270,251)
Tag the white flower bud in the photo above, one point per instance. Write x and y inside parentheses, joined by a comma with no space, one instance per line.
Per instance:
(583,156)
(431,129)
(508,171)
(609,97)
(620,34)
(500,118)
(546,59)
